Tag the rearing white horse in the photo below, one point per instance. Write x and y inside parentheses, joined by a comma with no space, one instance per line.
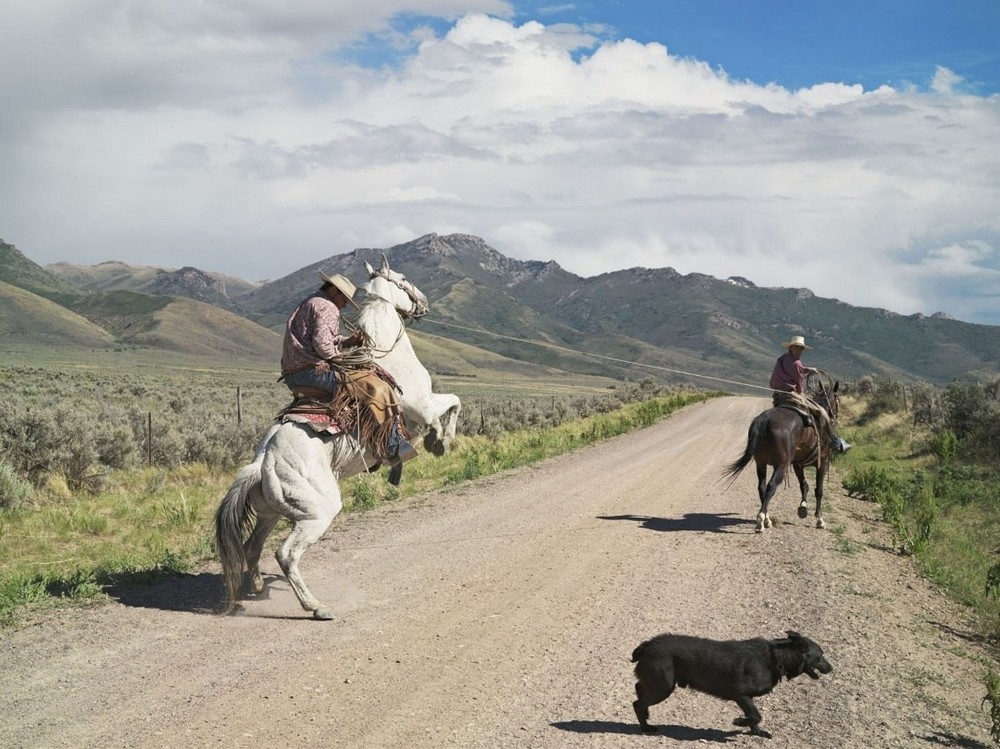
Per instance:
(391,348)
(296,470)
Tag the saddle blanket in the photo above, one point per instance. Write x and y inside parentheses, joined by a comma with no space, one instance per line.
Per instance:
(318,422)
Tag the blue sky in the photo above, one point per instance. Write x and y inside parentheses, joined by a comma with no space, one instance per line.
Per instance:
(797,44)
(848,148)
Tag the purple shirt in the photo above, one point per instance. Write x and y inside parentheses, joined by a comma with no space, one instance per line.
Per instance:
(788,374)
(312,334)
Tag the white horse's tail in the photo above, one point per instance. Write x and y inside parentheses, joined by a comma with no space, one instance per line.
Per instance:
(234,520)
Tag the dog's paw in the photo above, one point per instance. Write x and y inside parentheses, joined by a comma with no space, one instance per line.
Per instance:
(650,730)
(755,728)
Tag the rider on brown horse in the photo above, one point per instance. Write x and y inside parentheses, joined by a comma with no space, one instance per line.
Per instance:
(788,381)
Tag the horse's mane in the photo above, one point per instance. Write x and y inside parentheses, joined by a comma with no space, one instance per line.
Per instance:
(379,319)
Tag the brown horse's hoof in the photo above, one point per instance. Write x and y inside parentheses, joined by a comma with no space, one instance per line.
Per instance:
(803,512)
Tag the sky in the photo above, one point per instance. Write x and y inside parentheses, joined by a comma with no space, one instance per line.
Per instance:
(851,148)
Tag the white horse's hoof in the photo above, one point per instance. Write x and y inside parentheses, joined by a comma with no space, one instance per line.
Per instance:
(323,614)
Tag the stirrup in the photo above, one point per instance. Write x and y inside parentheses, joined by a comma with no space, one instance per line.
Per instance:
(839,445)
(403,452)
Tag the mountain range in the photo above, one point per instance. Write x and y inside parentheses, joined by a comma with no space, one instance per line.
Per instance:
(631,323)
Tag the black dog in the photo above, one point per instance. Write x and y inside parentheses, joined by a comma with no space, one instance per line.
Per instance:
(737,670)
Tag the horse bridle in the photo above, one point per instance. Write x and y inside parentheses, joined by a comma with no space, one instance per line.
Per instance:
(419,308)
(828,401)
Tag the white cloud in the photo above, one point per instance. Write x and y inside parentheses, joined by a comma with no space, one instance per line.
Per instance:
(945,81)
(238,136)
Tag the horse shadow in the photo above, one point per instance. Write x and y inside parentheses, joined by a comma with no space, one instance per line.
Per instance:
(677,733)
(199,593)
(692,521)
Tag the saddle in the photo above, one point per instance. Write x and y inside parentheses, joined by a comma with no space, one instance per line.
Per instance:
(789,401)
(365,402)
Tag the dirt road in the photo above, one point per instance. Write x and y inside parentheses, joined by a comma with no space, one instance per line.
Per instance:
(503,614)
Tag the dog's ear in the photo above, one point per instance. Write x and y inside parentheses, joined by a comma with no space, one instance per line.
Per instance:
(797,639)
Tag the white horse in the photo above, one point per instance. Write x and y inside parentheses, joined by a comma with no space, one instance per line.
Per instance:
(391,347)
(295,471)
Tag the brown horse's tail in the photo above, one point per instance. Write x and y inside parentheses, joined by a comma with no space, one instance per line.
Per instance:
(754,436)
(233,520)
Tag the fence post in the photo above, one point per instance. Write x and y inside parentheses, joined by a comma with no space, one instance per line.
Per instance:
(239,406)
(149,439)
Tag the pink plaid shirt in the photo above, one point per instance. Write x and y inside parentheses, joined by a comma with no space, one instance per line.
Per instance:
(312,334)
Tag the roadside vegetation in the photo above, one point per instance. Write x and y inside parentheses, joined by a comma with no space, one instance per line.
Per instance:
(110,479)
(931,460)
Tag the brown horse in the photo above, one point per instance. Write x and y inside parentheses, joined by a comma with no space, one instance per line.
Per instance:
(780,437)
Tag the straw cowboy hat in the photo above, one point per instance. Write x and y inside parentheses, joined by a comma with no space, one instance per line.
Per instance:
(343,284)
(797,340)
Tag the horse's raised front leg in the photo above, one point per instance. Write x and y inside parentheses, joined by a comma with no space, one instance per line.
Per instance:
(442,423)
(432,442)
(450,421)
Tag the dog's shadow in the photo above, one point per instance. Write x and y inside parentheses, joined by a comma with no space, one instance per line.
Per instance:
(954,740)
(691,521)
(677,733)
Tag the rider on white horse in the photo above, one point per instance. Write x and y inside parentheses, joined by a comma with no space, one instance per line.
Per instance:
(313,345)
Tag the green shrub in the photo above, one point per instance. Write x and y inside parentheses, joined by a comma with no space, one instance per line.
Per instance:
(885,396)
(15,492)
(972,412)
(893,504)
(944,445)
(868,482)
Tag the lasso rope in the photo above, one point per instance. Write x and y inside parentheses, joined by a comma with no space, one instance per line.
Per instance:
(599,356)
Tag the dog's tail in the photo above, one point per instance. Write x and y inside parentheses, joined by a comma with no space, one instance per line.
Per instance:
(754,434)
(637,653)
(649,650)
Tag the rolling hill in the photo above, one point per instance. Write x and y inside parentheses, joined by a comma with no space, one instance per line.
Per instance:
(27,319)
(530,314)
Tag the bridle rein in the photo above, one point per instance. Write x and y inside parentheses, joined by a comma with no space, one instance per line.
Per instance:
(417,309)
